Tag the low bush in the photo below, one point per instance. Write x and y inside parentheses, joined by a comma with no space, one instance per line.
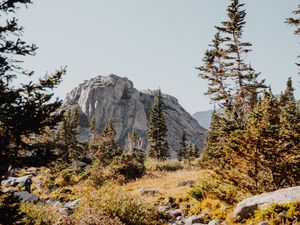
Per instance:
(115,203)
(277,214)
(216,189)
(167,165)
(129,166)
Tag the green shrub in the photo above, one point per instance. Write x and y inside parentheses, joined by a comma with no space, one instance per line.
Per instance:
(115,203)
(167,165)
(278,214)
(130,166)
(215,189)
(96,174)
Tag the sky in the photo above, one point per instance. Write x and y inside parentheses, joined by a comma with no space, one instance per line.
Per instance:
(155,43)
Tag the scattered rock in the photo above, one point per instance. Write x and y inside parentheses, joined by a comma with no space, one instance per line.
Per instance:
(174,205)
(73,204)
(163,208)
(192,220)
(264,223)
(8,190)
(27,197)
(38,185)
(13,181)
(175,212)
(215,222)
(185,183)
(51,189)
(246,208)
(52,202)
(149,191)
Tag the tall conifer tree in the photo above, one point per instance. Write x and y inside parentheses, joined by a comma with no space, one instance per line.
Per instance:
(25,109)
(158,146)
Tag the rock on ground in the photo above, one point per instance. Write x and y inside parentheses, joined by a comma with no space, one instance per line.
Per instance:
(25,196)
(12,181)
(115,98)
(245,208)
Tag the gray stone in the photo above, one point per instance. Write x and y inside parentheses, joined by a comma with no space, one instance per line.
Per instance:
(8,190)
(149,191)
(175,212)
(25,196)
(51,189)
(192,220)
(38,184)
(115,98)
(13,181)
(245,208)
(215,222)
(264,223)
(186,183)
(73,204)
(163,208)
(52,202)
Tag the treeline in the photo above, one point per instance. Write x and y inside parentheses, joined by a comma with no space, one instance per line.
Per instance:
(255,141)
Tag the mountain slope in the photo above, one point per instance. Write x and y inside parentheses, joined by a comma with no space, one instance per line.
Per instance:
(115,98)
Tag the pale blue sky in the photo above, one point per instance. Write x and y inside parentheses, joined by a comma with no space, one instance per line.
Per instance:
(155,43)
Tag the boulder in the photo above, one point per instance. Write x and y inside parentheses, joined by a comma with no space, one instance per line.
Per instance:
(264,223)
(163,208)
(186,183)
(13,181)
(52,202)
(246,208)
(215,222)
(38,184)
(175,212)
(73,204)
(193,220)
(115,98)
(149,191)
(27,197)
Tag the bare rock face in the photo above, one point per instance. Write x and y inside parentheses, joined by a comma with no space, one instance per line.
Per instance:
(114,98)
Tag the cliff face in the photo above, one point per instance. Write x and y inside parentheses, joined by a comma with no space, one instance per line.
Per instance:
(114,98)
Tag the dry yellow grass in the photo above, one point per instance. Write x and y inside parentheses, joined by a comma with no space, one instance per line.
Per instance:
(164,182)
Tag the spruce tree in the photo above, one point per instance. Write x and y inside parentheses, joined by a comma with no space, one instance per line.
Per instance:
(72,149)
(233,82)
(295,21)
(215,71)
(157,131)
(183,147)
(105,146)
(25,109)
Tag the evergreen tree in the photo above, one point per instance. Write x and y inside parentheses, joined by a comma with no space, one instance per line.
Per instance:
(157,131)
(295,21)
(183,147)
(68,133)
(233,82)
(105,147)
(215,71)
(288,173)
(25,109)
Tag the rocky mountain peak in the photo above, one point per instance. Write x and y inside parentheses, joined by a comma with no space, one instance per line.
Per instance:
(115,98)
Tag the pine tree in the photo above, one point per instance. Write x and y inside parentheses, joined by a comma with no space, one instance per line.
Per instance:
(183,147)
(157,131)
(288,173)
(215,71)
(72,148)
(242,77)
(295,22)
(106,148)
(25,109)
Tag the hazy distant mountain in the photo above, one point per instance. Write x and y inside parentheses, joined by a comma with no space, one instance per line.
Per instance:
(204,117)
